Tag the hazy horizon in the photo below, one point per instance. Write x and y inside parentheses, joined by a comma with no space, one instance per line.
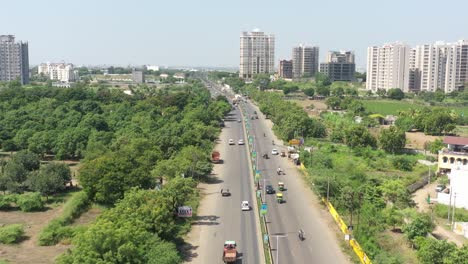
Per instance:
(206,33)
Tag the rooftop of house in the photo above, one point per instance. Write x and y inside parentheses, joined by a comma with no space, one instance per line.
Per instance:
(456,140)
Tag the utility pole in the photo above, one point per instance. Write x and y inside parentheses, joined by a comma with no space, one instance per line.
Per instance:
(450,206)
(453,212)
(429,176)
(278,236)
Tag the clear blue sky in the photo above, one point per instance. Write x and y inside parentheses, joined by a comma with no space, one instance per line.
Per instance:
(206,32)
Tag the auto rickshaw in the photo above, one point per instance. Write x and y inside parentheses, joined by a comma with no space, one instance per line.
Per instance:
(279,197)
(281,186)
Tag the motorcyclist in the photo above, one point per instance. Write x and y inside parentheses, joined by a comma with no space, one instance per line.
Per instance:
(273,142)
(301,234)
(278,170)
(264,135)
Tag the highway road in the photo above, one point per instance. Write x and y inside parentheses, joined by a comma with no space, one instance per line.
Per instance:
(220,218)
(300,211)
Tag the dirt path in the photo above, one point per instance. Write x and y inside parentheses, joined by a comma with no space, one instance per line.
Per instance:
(439,231)
(28,251)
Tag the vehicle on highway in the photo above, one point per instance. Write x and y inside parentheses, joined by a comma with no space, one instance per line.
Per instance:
(281,186)
(245,206)
(274,152)
(238,120)
(279,197)
(215,157)
(231,141)
(240,142)
(279,171)
(283,154)
(269,189)
(301,235)
(225,192)
(440,187)
(265,156)
(230,252)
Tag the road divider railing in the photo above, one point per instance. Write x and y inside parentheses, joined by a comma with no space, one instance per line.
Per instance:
(344,228)
(256,173)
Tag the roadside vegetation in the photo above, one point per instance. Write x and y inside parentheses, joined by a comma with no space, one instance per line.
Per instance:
(140,156)
(367,177)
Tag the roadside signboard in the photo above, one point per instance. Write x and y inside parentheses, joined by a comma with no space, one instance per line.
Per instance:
(264,209)
(294,142)
(184,211)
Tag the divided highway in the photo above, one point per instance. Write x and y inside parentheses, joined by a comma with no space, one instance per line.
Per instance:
(301,209)
(221,218)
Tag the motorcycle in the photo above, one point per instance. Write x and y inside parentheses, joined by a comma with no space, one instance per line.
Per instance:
(301,235)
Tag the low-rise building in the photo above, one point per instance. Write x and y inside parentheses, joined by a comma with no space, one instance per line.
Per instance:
(63,72)
(454,155)
(457,194)
(138,76)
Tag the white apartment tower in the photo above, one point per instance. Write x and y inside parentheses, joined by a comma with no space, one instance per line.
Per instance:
(388,67)
(305,61)
(440,66)
(257,54)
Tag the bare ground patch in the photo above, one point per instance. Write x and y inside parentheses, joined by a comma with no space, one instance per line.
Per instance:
(28,251)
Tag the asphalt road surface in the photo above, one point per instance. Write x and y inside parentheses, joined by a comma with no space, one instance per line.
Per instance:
(300,209)
(224,219)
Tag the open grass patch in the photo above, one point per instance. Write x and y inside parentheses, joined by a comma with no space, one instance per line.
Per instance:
(441,210)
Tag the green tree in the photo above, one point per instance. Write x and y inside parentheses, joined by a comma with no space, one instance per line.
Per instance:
(434,146)
(392,140)
(50,179)
(359,136)
(333,102)
(432,251)
(395,94)
(404,123)
(262,81)
(395,193)
(323,90)
(309,91)
(419,227)
(457,256)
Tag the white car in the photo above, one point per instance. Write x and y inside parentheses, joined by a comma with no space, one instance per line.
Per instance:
(240,142)
(238,120)
(274,152)
(245,206)
(231,141)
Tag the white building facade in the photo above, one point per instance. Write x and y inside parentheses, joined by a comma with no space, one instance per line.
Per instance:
(63,72)
(458,195)
(388,67)
(427,67)
(257,54)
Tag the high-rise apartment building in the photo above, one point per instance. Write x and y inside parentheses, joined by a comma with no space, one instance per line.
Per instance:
(305,61)
(14,60)
(340,66)
(257,54)
(388,67)
(63,72)
(286,69)
(440,66)
(138,75)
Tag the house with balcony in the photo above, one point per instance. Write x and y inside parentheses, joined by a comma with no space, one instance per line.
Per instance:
(454,155)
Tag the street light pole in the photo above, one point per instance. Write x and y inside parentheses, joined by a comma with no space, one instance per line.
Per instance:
(453,212)
(277,246)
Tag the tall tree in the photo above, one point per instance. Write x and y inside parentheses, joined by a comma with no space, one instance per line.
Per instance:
(392,139)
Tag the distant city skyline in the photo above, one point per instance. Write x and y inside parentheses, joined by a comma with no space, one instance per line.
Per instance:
(206,32)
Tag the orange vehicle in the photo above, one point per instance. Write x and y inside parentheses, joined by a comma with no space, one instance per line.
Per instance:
(230,252)
(215,157)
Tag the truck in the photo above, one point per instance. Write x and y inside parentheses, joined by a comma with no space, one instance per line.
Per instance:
(215,157)
(230,252)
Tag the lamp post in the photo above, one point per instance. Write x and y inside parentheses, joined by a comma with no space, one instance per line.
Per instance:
(278,236)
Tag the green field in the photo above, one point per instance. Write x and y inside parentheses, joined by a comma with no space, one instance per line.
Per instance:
(388,107)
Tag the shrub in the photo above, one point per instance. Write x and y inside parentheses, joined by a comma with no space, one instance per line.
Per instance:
(7,200)
(403,163)
(29,202)
(57,230)
(441,210)
(419,227)
(11,233)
